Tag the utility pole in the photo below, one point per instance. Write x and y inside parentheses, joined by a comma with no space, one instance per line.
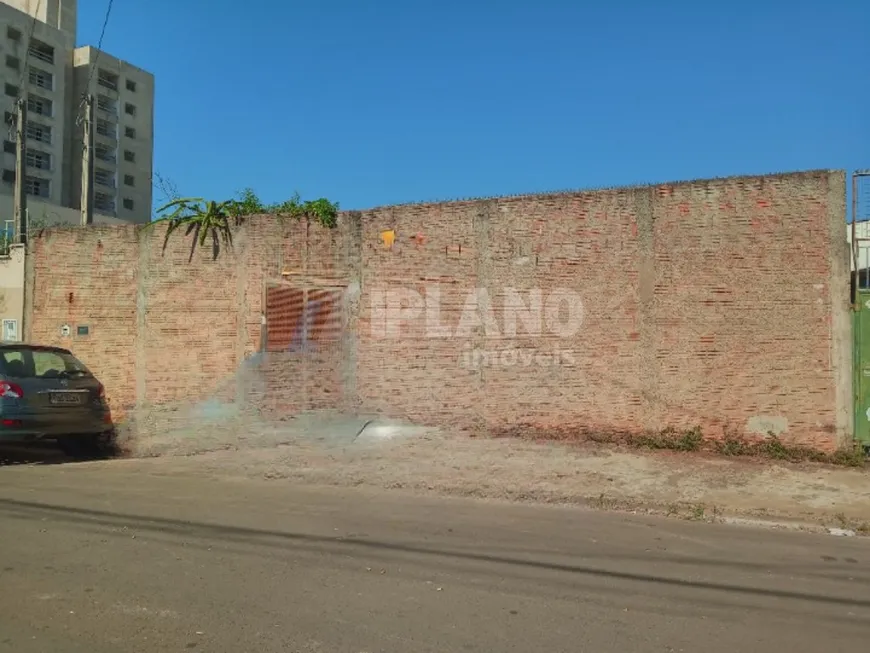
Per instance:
(88,163)
(20,198)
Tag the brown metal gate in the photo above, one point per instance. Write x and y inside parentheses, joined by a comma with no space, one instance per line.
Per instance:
(304,343)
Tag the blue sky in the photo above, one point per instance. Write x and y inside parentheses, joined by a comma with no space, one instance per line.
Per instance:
(373,103)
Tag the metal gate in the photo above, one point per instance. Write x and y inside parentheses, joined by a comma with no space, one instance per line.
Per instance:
(303,343)
(302,320)
(860,239)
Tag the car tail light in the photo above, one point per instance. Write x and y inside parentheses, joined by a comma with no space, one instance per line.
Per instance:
(11,390)
(101,391)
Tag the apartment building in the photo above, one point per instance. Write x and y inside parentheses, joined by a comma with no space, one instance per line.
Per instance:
(56,76)
(123,134)
(61,14)
(48,56)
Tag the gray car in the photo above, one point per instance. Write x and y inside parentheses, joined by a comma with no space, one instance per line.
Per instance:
(46,393)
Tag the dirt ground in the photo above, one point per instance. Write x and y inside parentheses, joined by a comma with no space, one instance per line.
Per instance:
(340,452)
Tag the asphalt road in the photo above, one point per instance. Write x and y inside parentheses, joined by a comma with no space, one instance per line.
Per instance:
(103,557)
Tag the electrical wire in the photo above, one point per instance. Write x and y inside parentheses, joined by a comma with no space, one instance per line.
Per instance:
(79,116)
(27,51)
(24,64)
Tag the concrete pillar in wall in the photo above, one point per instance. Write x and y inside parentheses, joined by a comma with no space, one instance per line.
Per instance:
(841,318)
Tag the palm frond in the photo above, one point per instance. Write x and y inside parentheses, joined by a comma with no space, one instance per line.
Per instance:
(173,225)
(182,202)
(208,218)
(196,229)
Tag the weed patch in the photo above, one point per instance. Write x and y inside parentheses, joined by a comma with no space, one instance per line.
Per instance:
(775,449)
(698,512)
(851,457)
(731,445)
(771,448)
(693,440)
(671,439)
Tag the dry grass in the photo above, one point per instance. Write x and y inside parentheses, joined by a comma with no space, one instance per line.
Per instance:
(693,440)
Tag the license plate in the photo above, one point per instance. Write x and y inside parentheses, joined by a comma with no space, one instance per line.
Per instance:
(65,398)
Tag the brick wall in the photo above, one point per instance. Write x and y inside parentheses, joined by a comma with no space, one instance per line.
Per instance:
(717,303)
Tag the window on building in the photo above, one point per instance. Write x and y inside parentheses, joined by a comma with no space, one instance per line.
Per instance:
(129,132)
(13,34)
(107,80)
(129,180)
(106,104)
(37,187)
(103,153)
(13,62)
(38,132)
(128,204)
(39,105)
(104,177)
(42,51)
(106,128)
(11,90)
(9,147)
(8,175)
(130,109)
(37,159)
(41,78)
(104,202)
(129,156)
(131,86)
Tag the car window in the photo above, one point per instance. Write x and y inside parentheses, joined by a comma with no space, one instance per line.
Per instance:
(14,364)
(48,364)
(12,355)
(40,363)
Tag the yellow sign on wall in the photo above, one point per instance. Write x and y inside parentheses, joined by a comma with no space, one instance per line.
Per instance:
(389,237)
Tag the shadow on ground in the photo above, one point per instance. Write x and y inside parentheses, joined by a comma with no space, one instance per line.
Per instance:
(196,431)
(43,454)
(230,536)
(36,454)
(214,426)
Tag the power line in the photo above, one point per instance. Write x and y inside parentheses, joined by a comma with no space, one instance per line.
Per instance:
(27,45)
(96,59)
(24,63)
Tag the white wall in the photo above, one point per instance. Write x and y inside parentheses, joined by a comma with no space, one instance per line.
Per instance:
(42,214)
(862,230)
(12,289)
